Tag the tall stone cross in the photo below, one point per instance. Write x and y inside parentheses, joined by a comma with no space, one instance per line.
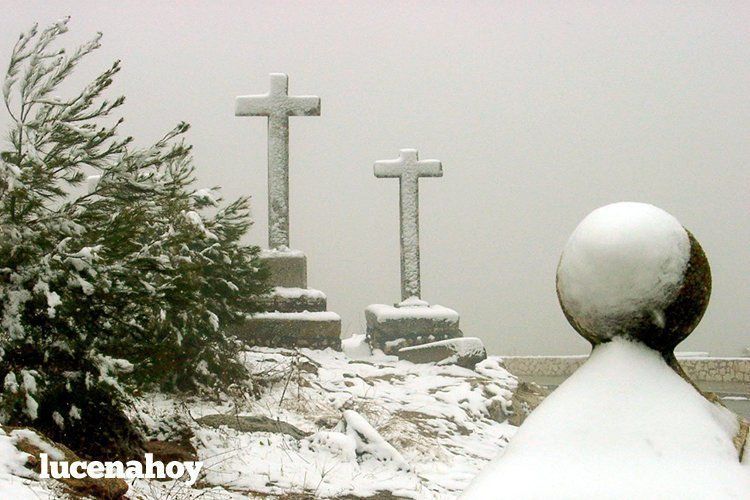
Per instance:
(408,168)
(278,106)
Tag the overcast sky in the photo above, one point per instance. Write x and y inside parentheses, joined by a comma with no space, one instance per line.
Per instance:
(539,114)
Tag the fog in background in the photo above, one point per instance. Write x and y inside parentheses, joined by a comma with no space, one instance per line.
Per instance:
(539,114)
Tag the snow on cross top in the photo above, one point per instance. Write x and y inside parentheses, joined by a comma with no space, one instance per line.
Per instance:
(622,258)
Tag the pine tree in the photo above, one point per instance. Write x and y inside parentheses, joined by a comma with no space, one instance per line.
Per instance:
(132,281)
(178,274)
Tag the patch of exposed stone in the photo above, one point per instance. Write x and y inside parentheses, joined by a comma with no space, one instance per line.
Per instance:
(252,423)
(526,397)
(169,451)
(718,369)
(287,268)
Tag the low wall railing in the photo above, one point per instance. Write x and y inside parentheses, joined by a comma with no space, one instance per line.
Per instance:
(704,369)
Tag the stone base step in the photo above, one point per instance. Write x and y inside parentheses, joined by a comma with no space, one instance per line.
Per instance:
(391,328)
(314,330)
(288,300)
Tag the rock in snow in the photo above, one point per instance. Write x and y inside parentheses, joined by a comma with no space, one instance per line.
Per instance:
(463,351)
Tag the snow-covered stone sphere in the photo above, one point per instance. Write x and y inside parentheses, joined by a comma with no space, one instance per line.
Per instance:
(631,269)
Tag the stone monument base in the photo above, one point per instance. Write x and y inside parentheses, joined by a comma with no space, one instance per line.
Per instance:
(288,268)
(391,328)
(314,330)
(293,315)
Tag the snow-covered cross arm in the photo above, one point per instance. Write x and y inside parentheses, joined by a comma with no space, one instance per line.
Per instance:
(278,106)
(408,168)
(277,102)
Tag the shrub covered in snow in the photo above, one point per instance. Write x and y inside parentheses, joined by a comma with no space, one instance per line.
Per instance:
(132,280)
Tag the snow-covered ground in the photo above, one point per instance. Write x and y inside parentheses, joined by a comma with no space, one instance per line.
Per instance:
(433,422)
(373,426)
(377,427)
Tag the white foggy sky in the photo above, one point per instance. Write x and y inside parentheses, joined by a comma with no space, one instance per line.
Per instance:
(539,114)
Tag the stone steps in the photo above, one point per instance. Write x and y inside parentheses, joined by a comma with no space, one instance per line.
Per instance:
(294,316)
(314,330)
(288,300)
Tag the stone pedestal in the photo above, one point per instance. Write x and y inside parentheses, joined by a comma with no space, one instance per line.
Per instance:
(391,328)
(288,268)
(294,315)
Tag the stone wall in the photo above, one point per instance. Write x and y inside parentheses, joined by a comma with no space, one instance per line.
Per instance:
(736,370)
(717,369)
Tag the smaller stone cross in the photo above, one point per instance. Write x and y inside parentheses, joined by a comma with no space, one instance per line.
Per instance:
(278,106)
(408,168)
